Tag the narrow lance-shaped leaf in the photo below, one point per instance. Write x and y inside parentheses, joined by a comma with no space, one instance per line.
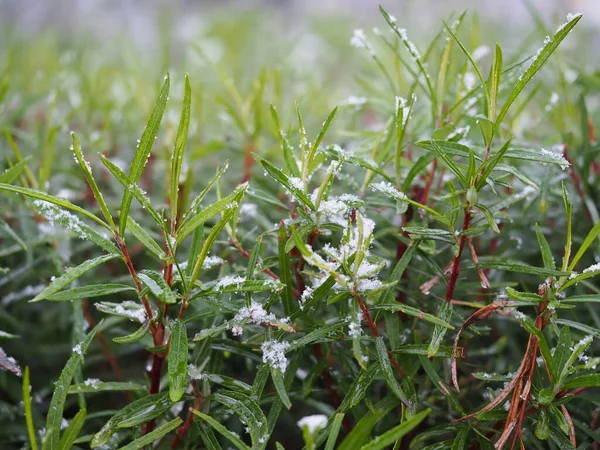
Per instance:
(87,173)
(209,212)
(157,285)
(495,72)
(178,151)
(294,185)
(62,202)
(196,202)
(94,385)
(545,249)
(313,149)
(280,387)
(248,411)
(473,63)
(389,437)
(210,239)
(142,235)
(388,374)
(72,431)
(10,175)
(334,431)
(57,404)
(288,154)
(550,45)
(285,273)
(27,409)
(70,275)
(439,332)
(154,436)
(592,235)
(177,360)
(89,291)
(132,189)
(222,430)
(143,150)
(136,413)
(56,215)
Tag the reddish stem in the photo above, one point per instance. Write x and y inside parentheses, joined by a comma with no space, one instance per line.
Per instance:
(456,264)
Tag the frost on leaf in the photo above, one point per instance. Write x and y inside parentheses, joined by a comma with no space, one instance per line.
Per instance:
(389,190)
(9,363)
(54,214)
(274,354)
(313,423)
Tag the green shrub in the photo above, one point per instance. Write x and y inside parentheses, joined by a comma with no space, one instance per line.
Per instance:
(427,282)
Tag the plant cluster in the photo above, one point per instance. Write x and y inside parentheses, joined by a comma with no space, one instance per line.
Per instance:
(425,282)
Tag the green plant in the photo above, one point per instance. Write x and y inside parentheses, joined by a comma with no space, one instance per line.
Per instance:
(242,311)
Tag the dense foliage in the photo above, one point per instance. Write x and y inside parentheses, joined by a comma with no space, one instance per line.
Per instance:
(413,268)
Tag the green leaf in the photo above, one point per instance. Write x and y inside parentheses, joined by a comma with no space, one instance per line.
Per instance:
(473,64)
(157,285)
(9,175)
(540,58)
(364,427)
(415,313)
(177,360)
(242,286)
(136,413)
(288,154)
(135,336)
(131,189)
(225,204)
(128,309)
(516,266)
(536,155)
(285,273)
(89,291)
(495,72)
(143,151)
(542,429)
(179,149)
(154,435)
(66,442)
(386,370)
(195,249)
(313,150)
(580,326)
(210,240)
(289,183)
(87,173)
(93,386)
(143,236)
(358,390)
(222,430)
(228,382)
(280,387)
(319,334)
(63,203)
(54,214)
(445,314)
(545,249)
(590,380)
(59,396)
(396,433)
(71,274)
(27,409)
(248,411)
(591,236)
(334,431)
(449,163)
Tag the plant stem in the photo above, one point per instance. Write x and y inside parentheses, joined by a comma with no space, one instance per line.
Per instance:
(456,263)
